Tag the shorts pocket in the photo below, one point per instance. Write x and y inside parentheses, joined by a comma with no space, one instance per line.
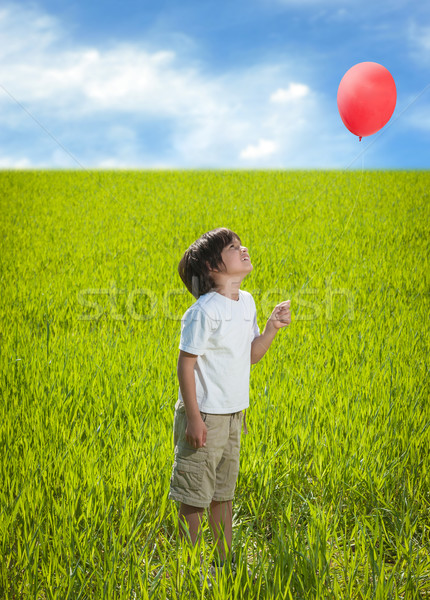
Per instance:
(188,472)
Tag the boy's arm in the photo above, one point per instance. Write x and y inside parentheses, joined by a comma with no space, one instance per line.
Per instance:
(280,317)
(261,344)
(187,383)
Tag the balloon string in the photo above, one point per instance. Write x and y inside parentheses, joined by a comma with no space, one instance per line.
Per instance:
(345,226)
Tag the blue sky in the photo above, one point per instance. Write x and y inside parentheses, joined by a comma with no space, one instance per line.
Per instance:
(215,84)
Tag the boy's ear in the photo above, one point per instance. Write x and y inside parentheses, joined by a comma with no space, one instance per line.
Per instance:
(210,269)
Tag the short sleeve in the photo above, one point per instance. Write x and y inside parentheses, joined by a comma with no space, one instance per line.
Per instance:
(196,329)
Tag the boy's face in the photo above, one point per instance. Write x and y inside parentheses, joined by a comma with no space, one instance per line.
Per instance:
(236,259)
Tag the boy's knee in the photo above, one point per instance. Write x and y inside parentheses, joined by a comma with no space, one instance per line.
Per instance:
(187,509)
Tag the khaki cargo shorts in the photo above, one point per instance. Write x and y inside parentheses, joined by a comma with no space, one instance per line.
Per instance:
(209,473)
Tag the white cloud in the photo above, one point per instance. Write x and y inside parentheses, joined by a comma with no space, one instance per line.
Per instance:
(123,104)
(42,67)
(26,31)
(262,149)
(295,91)
(419,42)
(7,162)
(418,116)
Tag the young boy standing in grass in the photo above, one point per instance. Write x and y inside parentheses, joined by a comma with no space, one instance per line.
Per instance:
(220,339)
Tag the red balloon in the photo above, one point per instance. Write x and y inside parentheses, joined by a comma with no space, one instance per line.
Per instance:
(366,98)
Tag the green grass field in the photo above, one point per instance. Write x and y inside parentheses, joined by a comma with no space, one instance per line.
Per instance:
(332,499)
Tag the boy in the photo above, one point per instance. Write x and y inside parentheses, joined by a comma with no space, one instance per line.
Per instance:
(220,339)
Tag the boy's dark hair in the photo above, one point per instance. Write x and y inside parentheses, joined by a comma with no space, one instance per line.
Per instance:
(193,266)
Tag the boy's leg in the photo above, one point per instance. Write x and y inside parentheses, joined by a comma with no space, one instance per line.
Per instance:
(221,524)
(221,512)
(190,516)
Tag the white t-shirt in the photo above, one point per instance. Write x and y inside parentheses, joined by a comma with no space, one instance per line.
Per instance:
(220,332)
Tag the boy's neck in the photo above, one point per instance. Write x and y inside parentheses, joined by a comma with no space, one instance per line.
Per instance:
(230,289)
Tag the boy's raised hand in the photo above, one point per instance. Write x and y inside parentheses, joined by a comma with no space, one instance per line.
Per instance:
(281,315)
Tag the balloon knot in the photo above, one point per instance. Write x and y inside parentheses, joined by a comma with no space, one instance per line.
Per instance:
(359,139)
